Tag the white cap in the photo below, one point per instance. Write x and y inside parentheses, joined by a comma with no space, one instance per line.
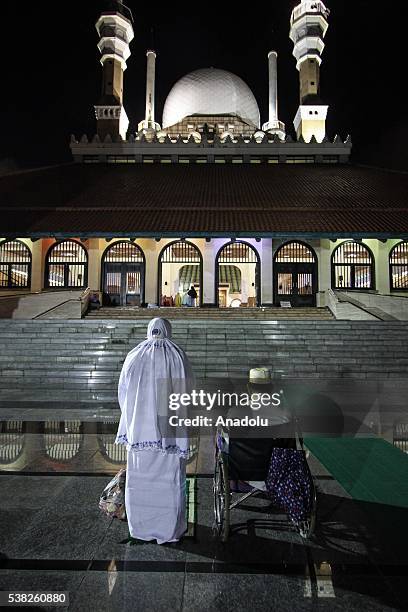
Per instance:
(260,376)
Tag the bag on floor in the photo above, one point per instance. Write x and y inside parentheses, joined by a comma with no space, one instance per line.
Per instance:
(289,483)
(112,501)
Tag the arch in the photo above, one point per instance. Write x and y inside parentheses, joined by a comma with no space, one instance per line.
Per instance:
(295,274)
(12,437)
(63,439)
(237,252)
(352,266)
(295,251)
(123,274)
(189,255)
(15,265)
(398,262)
(66,265)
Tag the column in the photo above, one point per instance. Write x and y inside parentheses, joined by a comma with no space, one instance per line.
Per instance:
(209,252)
(151,249)
(381,252)
(94,264)
(324,269)
(37,265)
(266,272)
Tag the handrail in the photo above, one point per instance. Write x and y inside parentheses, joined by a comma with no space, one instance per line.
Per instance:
(375,294)
(8,297)
(52,291)
(13,295)
(57,306)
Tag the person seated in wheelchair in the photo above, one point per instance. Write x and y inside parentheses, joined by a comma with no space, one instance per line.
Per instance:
(250,451)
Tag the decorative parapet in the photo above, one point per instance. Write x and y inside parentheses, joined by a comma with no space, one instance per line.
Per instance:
(260,145)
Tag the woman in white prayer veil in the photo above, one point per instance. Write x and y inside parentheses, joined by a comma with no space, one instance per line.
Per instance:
(155,493)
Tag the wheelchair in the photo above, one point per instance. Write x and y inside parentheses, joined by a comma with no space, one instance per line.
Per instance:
(223,496)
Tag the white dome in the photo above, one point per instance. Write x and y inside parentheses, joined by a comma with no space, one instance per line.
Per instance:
(210,91)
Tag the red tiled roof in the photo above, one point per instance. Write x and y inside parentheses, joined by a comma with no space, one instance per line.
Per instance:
(204,199)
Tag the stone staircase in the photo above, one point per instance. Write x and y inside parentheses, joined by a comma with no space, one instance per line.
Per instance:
(80,360)
(212,314)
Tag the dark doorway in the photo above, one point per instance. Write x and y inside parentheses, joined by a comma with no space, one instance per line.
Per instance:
(295,275)
(123,272)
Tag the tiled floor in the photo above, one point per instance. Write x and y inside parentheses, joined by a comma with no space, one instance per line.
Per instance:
(53,537)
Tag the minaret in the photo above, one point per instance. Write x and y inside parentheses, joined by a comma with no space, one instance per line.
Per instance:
(149,123)
(274,126)
(115,29)
(308,28)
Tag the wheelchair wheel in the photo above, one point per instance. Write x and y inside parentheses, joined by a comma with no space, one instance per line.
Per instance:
(221,490)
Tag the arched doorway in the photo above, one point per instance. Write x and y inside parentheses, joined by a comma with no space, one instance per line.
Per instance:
(352,266)
(295,275)
(15,265)
(237,274)
(66,265)
(180,267)
(399,267)
(123,274)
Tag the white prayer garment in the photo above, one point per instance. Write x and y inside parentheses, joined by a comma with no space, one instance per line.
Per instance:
(156,465)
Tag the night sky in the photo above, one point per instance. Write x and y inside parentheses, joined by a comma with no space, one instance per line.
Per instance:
(52,75)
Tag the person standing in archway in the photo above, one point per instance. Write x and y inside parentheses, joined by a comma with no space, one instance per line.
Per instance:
(193,295)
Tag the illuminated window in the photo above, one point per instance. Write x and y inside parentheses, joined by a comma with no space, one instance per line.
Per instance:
(15,265)
(352,267)
(399,267)
(124,252)
(295,252)
(237,252)
(66,265)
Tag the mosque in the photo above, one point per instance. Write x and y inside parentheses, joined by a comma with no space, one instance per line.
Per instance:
(213,196)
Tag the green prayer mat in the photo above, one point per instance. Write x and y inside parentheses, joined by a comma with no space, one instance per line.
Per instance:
(369,469)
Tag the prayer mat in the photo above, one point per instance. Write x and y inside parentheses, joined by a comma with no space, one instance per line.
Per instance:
(369,469)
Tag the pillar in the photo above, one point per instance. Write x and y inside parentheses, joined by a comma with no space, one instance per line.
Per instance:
(273,125)
(94,264)
(266,279)
(151,249)
(37,266)
(209,253)
(324,270)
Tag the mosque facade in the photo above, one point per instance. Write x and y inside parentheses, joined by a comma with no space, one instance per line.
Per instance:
(250,213)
